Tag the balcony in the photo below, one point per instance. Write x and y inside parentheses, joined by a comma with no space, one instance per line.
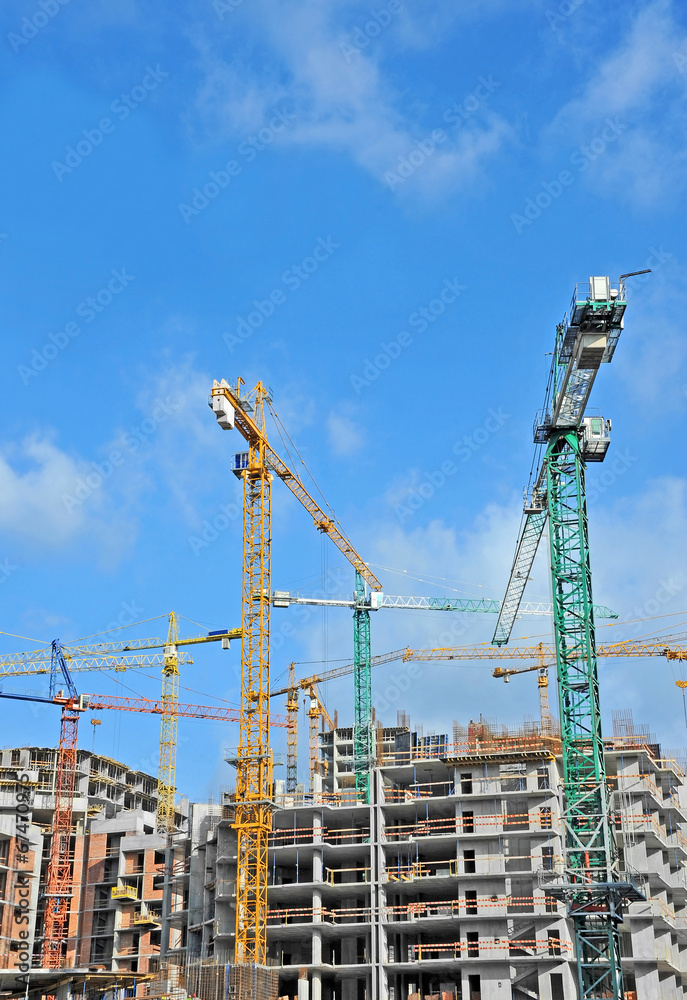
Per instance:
(347,876)
(643,823)
(656,908)
(677,841)
(225,889)
(125,892)
(420,869)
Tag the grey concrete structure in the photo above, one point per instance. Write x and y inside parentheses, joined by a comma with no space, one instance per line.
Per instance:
(433,890)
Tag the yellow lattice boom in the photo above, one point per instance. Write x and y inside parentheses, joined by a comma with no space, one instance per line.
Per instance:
(253,820)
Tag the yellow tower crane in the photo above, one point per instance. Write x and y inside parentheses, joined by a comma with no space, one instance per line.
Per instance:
(317,715)
(245,411)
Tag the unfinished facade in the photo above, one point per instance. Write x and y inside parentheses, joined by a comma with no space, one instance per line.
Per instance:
(433,890)
(118,862)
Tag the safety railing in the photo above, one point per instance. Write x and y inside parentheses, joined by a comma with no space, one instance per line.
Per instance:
(677,840)
(124,892)
(307,915)
(422,790)
(328,835)
(483,864)
(347,797)
(670,956)
(641,823)
(422,869)
(670,764)
(540,819)
(639,784)
(334,876)
(477,747)
(470,907)
(508,947)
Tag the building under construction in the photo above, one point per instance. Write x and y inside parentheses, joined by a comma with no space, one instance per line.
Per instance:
(117,862)
(469,864)
(444,885)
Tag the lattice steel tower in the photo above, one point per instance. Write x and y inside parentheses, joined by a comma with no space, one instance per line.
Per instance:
(591,883)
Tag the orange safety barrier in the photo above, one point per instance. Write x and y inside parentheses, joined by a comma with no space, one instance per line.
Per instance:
(478,747)
(306,834)
(284,916)
(473,949)
(456,905)
(541,818)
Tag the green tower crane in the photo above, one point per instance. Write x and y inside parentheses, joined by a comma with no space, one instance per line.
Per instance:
(362,603)
(592,885)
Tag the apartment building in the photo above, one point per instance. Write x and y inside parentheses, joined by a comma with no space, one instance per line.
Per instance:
(433,890)
(118,862)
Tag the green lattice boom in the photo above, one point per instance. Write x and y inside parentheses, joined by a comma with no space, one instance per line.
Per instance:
(362,677)
(588,844)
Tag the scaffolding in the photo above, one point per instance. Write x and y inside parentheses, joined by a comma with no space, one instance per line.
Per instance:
(213,980)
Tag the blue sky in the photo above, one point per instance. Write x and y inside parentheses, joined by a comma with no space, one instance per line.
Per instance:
(380,213)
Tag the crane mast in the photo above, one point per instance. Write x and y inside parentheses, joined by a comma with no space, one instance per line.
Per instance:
(168,732)
(591,884)
(253,821)
(363,745)
(58,882)
(254,759)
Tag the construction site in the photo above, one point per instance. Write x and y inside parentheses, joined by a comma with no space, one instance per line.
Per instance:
(482,862)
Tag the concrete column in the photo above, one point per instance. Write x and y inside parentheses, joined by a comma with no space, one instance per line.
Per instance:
(303,985)
(317,876)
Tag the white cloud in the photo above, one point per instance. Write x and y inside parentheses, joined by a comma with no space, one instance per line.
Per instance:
(346,437)
(638,86)
(342,104)
(34,477)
